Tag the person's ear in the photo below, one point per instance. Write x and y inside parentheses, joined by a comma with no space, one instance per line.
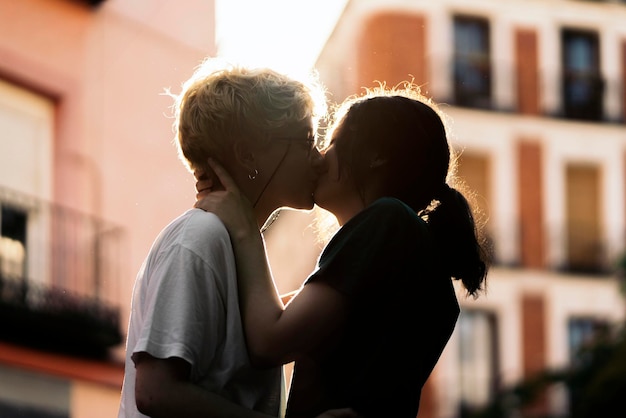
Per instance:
(244,156)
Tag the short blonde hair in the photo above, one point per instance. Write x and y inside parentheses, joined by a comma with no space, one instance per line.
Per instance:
(224,102)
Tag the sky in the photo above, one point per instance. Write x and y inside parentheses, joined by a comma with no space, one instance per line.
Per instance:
(286,35)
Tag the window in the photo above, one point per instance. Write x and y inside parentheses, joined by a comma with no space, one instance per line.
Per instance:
(582,331)
(12,242)
(584,241)
(472,62)
(474,170)
(478,358)
(582,85)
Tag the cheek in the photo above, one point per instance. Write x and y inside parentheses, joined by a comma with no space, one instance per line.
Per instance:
(298,173)
(330,186)
(331,194)
(332,166)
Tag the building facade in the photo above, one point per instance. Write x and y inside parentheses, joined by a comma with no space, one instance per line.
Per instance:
(88,176)
(536,95)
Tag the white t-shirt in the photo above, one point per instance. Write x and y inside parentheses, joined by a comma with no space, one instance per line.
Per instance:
(185,304)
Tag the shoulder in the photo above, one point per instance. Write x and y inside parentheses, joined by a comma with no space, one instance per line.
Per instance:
(391,221)
(195,230)
(392,205)
(195,222)
(196,246)
(388,211)
(384,220)
(203,221)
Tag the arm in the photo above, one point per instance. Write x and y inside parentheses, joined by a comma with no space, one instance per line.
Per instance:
(163,389)
(275,334)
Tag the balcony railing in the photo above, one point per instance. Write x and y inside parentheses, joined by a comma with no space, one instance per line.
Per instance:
(581,250)
(59,277)
(580,96)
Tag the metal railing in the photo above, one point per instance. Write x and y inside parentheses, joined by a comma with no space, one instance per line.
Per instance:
(581,250)
(580,96)
(59,276)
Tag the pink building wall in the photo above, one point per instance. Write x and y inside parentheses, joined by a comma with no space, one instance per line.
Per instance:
(106,68)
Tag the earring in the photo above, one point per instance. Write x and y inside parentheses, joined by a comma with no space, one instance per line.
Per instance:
(253,176)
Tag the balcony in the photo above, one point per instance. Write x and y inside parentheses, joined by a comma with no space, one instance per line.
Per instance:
(582,96)
(576,250)
(579,96)
(59,277)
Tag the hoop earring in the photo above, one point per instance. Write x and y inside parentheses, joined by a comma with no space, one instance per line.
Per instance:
(253,176)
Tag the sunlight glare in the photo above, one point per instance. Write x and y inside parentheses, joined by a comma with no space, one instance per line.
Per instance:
(286,35)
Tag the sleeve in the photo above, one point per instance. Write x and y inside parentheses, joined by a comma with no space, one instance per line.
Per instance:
(183,291)
(366,246)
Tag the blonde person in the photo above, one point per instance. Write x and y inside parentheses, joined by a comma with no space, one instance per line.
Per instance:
(370,323)
(186,354)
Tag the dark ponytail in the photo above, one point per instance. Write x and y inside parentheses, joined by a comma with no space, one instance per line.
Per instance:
(462,251)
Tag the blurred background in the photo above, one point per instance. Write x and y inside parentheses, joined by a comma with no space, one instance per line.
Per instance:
(89,174)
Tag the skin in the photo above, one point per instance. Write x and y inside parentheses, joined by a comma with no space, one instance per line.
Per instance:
(336,191)
(287,172)
(274,333)
(163,390)
(278,333)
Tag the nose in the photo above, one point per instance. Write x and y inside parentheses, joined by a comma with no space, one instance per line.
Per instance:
(319,162)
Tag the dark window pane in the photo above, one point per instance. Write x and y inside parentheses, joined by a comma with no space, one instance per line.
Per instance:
(12,243)
(478,359)
(472,62)
(583,86)
(13,224)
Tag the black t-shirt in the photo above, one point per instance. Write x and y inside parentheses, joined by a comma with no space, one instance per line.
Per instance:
(402,312)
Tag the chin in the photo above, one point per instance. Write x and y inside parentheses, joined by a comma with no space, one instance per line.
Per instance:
(318,201)
(304,204)
(309,206)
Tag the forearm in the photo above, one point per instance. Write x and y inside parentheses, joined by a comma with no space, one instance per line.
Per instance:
(260,302)
(163,390)
(277,334)
(188,400)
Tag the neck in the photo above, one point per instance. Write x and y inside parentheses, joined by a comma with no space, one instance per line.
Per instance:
(269,220)
(347,211)
(265,215)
